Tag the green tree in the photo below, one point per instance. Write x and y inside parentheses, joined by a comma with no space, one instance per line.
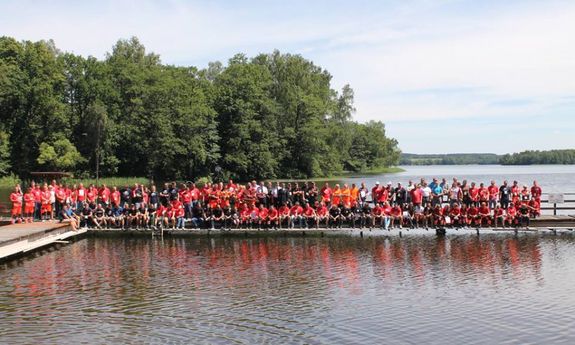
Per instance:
(60,154)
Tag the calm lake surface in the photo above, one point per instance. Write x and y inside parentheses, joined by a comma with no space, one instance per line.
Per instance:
(334,290)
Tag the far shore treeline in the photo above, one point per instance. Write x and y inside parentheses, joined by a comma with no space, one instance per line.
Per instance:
(520,158)
(271,116)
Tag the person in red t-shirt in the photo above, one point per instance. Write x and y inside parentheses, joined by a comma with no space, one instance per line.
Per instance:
(483,193)
(326,194)
(37,191)
(273,217)
(484,214)
(46,211)
(16,199)
(396,216)
(29,204)
(536,191)
(377,215)
(493,195)
(455,215)
(296,215)
(322,215)
(474,194)
(310,216)
(511,215)
(375,193)
(284,215)
(498,216)
(438,216)
(104,195)
(416,195)
(473,217)
(263,216)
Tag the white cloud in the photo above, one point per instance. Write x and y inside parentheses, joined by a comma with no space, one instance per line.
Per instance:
(407,61)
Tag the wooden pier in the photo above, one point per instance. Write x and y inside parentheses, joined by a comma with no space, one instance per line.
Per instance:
(19,239)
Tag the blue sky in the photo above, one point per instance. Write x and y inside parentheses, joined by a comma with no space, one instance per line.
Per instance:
(445,75)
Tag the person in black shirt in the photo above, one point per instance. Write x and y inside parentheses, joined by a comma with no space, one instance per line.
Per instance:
(173,191)
(165,194)
(334,216)
(98,217)
(346,214)
(231,219)
(400,195)
(125,196)
(217,217)
(154,197)
(311,193)
(198,215)
(85,216)
(504,195)
(366,216)
(282,195)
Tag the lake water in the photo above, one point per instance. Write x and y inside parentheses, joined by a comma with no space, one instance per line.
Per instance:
(551,178)
(335,290)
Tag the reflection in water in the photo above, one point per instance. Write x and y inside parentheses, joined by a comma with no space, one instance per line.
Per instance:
(313,290)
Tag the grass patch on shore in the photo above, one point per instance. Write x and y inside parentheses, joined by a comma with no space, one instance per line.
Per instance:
(108,181)
(9,181)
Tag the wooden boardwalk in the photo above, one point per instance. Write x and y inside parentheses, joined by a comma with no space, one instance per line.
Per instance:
(16,239)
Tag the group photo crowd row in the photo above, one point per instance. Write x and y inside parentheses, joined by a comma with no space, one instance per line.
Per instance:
(280,205)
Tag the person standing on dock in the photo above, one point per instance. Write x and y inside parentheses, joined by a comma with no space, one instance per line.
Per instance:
(29,204)
(16,199)
(504,195)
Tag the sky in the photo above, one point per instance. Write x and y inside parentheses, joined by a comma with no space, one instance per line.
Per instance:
(445,76)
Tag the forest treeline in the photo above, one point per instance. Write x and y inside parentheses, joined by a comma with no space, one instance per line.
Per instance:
(519,158)
(539,157)
(449,159)
(271,116)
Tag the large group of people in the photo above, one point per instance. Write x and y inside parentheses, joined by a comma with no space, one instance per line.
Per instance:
(281,205)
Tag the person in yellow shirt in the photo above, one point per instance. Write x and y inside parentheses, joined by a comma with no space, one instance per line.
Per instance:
(336,196)
(346,196)
(354,194)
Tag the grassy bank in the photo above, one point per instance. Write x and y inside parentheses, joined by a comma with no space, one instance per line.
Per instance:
(9,181)
(108,181)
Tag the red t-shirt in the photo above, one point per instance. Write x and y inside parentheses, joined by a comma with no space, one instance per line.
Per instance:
(326,194)
(37,194)
(308,212)
(116,198)
(493,192)
(61,195)
(273,214)
(284,210)
(416,196)
(263,213)
(16,199)
(296,210)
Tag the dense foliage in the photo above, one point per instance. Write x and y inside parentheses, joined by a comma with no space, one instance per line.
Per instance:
(274,115)
(539,157)
(449,159)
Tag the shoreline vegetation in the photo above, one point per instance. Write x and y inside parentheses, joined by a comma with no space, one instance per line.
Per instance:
(536,157)
(10,181)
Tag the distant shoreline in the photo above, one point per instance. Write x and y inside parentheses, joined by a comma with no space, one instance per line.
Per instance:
(550,157)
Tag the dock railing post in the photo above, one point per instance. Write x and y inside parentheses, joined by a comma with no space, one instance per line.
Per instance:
(554,209)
